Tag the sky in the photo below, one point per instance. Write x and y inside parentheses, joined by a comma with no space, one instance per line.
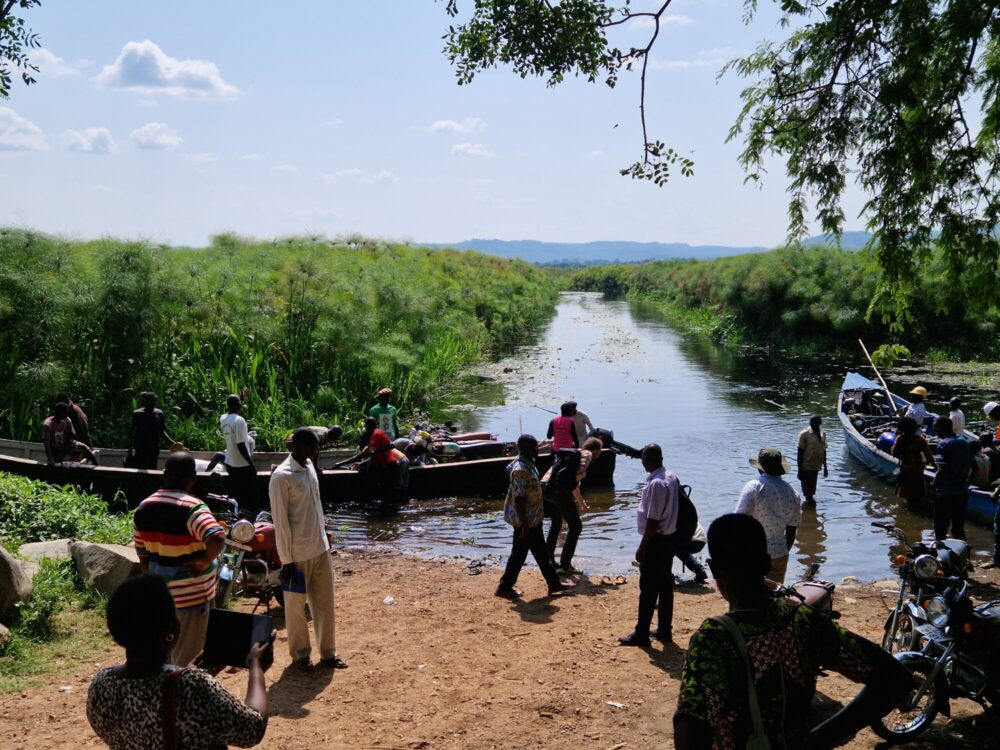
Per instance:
(172,122)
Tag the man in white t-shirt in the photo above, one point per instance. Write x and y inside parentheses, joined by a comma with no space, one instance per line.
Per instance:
(957,416)
(776,505)
(240,467)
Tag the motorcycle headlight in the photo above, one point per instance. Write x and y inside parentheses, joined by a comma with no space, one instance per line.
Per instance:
(926,567)
(242,531)
(937,611)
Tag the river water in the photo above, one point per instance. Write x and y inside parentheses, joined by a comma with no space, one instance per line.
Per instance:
(710,407)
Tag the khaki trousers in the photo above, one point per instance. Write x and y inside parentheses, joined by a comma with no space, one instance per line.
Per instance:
(318,574)
(191,640)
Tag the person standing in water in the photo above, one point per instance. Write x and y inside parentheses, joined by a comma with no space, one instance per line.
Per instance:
(149,427)
(811,457)
(562,432)
(913,452)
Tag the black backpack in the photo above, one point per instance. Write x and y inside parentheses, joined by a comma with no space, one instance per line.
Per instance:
(564,469)
(687,515)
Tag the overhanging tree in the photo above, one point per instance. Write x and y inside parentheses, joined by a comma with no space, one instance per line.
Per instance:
(16,42)
(902,96)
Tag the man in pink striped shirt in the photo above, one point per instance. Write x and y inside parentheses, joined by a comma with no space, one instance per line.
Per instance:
(178,539)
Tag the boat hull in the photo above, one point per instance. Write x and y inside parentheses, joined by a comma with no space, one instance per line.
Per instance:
(480,478)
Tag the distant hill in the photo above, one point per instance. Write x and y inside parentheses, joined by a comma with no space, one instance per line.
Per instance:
(611,251)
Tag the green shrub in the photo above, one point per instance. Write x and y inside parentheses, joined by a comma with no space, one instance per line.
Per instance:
(36,511)
(312,327)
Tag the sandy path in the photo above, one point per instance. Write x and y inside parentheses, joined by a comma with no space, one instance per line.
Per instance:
(448,665)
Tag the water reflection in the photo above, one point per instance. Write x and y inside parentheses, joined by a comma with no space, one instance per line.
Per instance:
(711,408)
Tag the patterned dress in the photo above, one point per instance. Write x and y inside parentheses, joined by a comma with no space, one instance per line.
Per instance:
(788,644)
(125,712)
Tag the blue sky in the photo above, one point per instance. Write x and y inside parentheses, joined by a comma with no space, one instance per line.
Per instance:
(175,121)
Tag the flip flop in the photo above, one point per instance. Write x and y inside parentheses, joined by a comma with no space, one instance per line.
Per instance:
(613,581)
(475,567)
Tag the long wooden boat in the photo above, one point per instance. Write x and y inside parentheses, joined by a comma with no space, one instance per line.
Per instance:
(860,426)
(485,477)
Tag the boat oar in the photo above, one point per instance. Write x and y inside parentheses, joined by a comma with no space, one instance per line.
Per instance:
(888,394)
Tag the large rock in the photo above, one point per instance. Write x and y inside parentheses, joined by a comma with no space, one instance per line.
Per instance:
(4,635)
(57,549)
(104,566)
(15,584)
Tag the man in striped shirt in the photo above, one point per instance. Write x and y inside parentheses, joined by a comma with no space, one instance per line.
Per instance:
(178,539)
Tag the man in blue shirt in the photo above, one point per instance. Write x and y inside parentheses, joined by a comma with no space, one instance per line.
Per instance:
(951,482)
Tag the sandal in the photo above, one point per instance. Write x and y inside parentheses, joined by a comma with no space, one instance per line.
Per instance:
(613,581)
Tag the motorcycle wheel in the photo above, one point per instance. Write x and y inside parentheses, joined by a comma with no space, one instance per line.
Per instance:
(903,639)
(900,726)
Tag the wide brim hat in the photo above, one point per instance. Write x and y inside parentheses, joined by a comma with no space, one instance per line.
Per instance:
(919,391)
(771,461)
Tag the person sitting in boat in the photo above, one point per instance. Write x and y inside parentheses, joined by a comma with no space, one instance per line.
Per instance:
(913,453)
(562,431)
(391,469)
(60,440)
(989,448)
(992,410)
(980,476)
(917,409)
(385,414)
(957,416)
(327,437)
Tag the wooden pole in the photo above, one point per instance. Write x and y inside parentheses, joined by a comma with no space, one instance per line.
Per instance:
(881,380)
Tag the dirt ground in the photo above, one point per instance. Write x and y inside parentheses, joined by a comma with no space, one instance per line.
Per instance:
(448,665)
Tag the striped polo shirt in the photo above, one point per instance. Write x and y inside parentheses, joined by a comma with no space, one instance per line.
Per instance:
(171,528)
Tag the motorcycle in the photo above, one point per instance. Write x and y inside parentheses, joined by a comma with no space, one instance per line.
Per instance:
(925,571)
(958,657)
(249,565)
(817,595)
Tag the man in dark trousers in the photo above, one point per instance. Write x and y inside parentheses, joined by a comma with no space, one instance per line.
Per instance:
(951,482)
(524,511)
(239,461)
(149,427)
(657,522)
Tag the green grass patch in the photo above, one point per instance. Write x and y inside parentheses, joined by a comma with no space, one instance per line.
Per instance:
(32,511)
(60,625)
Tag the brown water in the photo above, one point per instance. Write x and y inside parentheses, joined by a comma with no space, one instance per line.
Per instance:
(711,408)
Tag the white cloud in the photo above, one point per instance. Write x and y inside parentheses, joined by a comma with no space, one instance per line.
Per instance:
(51,65)
(594,154)
(381,177)
(712,58)
(331,123)
(250,157)
(19,133)
(90,141)
(665,20)
(145,68)
(286,168)
(459,127)
(474,150)
(156,135)
(201,157)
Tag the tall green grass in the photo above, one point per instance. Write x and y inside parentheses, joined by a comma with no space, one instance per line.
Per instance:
(313,327)
(816,297)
